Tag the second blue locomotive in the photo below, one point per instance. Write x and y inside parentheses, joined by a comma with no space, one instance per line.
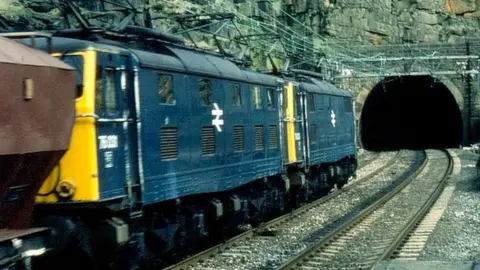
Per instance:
(173,146)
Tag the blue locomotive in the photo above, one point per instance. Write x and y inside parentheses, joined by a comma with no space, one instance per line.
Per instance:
(174,146)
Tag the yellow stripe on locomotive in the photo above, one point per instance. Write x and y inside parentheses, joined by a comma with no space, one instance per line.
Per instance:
(290,119)
(76,177)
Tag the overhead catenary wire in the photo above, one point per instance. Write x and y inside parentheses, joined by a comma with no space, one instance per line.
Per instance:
(339,56)
(296,41)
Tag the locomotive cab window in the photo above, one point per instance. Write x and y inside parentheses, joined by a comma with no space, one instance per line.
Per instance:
(76,61)
(256,98)
(165,89)
(205,92)
(105,96)
(236,95)
(271,98)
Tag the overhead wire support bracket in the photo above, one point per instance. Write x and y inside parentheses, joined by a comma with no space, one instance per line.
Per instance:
(204,16)
(184,20)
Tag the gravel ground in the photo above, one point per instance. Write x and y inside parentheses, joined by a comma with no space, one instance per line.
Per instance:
(268,252)
(364,157)
(394,215)
(456,235)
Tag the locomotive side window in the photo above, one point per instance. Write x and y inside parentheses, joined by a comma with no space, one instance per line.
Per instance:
(348,105)
(323,103)
(205,91)
(271,98)
(105,96)
(165,89)
(236,95)
(256,98)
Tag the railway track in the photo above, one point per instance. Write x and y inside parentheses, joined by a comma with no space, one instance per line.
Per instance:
(380,230)
(237,243)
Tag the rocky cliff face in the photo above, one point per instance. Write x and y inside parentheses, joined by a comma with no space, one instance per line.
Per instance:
(363,21)
(374,21)
(396,21)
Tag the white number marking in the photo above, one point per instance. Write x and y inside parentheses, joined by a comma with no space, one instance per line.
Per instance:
(108,159)
(108,141)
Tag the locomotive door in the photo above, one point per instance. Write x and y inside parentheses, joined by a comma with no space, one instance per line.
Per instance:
(115,127)
(292,118)
(299,123)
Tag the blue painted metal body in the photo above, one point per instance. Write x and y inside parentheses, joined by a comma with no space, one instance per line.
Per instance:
(223,168)
(330,122)
(193,172)
(248,146)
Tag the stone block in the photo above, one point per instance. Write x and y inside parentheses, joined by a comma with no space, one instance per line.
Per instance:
(431,38)
(456,29)
(377,28)
(354,4)
(460,6)
(383,5)
(430,5)
(355,12)
(424,17)
(383,17)
(405,17)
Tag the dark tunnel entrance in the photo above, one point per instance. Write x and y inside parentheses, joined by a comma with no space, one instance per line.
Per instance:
(411,112)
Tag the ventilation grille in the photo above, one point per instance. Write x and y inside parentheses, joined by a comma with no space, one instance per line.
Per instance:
(313,134)
(168,143)
(258,137)
(272,134)
(238,139)
(208,140)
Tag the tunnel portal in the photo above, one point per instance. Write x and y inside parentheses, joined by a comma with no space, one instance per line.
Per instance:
(410,112)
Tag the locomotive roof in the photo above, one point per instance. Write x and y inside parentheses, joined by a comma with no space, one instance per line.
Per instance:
(178,59)
(314,85)
(193,62)
(259,78)
(14,52)
(166,57)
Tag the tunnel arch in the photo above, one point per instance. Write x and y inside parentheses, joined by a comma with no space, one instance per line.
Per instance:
(411,112)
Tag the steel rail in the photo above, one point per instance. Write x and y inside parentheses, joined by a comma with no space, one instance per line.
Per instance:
(421,213)
(302,257)
(211,252)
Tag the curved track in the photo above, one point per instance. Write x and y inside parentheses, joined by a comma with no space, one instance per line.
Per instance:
(376,232)
(266,228)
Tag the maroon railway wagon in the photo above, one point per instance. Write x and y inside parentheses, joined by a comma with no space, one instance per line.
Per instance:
(37,110)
